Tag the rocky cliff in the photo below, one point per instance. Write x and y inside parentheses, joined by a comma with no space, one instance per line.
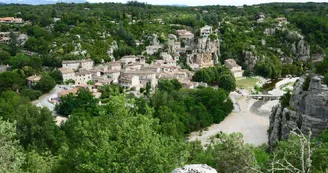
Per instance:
(205,53)
(250,59)
(196,168)
(308,110)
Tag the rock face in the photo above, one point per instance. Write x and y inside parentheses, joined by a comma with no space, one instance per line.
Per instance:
(196,168)
(308,111)
(250,59)
(205,53)
(269,31)
(303,51)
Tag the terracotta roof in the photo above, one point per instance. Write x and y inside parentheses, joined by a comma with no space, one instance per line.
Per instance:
(231,63)
(65,70)
(34,78)
(76,61)
(66,92)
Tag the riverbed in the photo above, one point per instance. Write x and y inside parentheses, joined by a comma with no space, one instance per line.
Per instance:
(250,117)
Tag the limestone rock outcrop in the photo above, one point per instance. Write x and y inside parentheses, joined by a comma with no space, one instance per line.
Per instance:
(250,59)
(269,31)
(195,168)
(303,50)
(308,110)
(205,53)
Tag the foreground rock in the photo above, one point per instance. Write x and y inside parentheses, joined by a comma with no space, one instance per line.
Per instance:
(308,110)
(196,168)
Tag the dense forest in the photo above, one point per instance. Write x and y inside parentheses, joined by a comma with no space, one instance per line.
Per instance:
(148,134)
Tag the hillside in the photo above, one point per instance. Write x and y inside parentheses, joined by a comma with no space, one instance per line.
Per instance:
(113,87)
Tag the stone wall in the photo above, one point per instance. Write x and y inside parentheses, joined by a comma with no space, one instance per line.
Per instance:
(308,110)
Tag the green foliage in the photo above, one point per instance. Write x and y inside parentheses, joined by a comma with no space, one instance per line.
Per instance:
(37,163)
(306,83)
(262,156)
(84,100)
(110,90)
(195,109)
(4,57)
(291,69)
(216,75)
(284,100)
(36,129)
(11,80)
(228,153)
(169,85)
(227,82)
(46,83)
(57,76)
(263,69)
(30,93)
(11,154)
(133,144)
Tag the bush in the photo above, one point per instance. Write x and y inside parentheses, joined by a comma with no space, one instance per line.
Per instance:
(306,83)
(30,93)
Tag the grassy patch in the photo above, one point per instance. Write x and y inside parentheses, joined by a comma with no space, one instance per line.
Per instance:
(247,83)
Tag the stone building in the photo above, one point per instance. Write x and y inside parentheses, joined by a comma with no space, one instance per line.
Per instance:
(76,64)
(83,76)
(67,74)
(234,68)
(33,80)
(128,81)
(11,20)
(205,31)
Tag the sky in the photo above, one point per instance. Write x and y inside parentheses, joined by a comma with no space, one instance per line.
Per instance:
(208,2)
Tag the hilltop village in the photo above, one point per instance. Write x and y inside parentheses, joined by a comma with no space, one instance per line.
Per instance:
(133,72)
(134,87)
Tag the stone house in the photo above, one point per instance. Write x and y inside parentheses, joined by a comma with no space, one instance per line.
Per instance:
(156,68)
(282,21)
(83,76)
(76,64)
(206,31)
(67,74)
(113,75)
(33,80)
(116,65)
(185,35)
(151,50)
(128,81)
(11,20)
(234,68)
(4,68)
(145,77)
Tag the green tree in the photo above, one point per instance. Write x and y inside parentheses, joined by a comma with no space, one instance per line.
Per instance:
(4,57)
(227,82)
(11,154)
(56,74)
(263,69)
(84,100)
(36,128)
(130,139)
(169,85)
(11,80)
(46,83)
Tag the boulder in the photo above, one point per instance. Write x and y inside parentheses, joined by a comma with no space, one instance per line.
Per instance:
(195,168)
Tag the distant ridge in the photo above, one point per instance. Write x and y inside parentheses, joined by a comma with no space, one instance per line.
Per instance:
(177,5)
(40,2)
